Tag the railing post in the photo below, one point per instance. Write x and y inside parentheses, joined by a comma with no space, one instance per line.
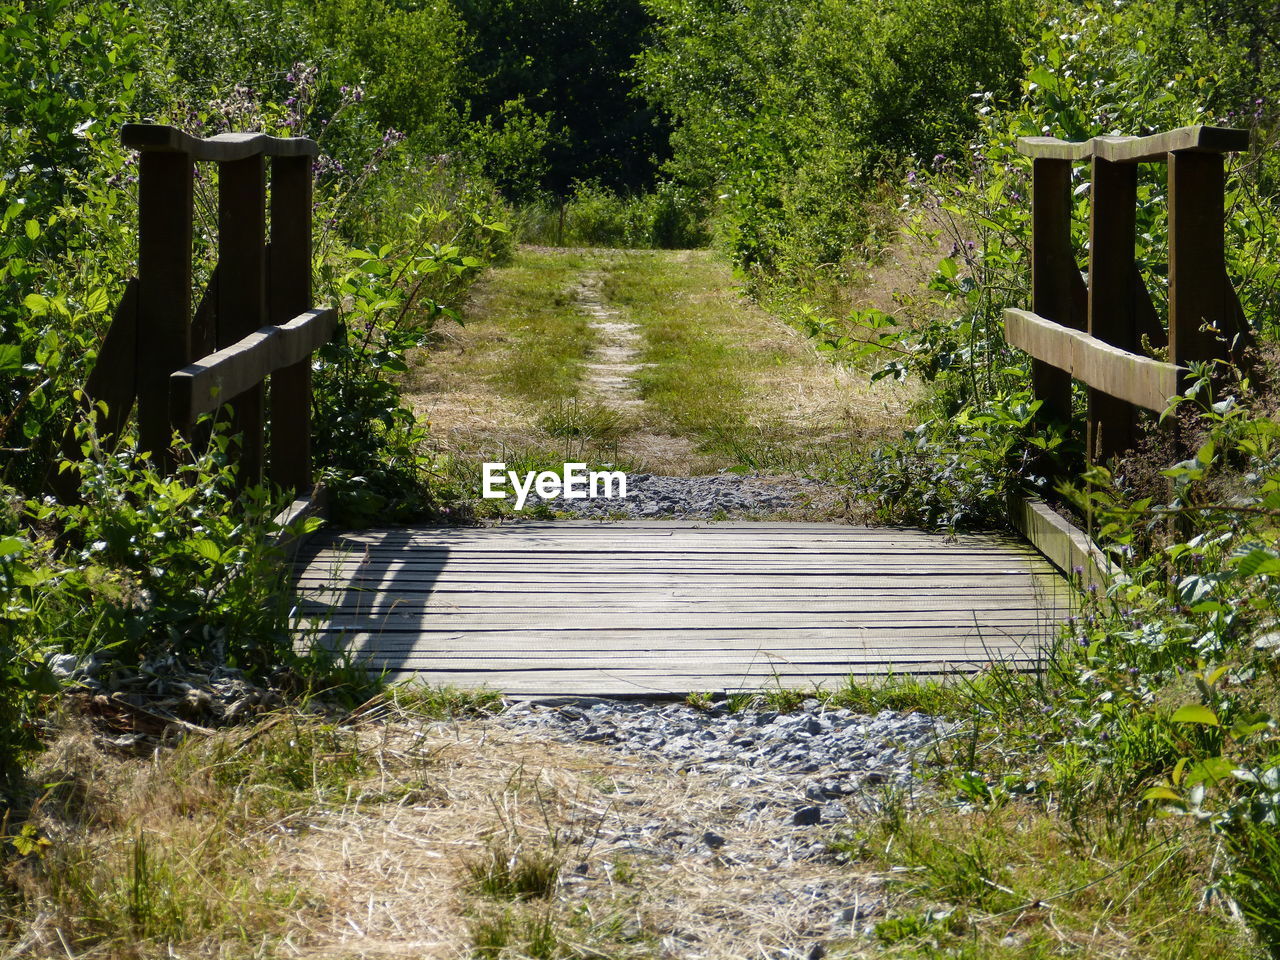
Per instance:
(289,294)
(164,291)
(242,290)
(1202,305)
(1057,291)
(1113,313)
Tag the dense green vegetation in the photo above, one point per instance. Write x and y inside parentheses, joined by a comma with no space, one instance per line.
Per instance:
(802,138)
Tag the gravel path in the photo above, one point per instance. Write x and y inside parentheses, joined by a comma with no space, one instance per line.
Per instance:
(766,794)
(818,764)
(703,498)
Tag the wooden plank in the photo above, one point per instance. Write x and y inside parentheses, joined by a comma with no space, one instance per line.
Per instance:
(500,645)
(762,529)
(1150,149)
(496,595)
(677,665)
(622,640)
(112,382)
(314,505)
(211,381)
(160,138)
(541,585)
(242,291)
(479,548)
(588,563)
(560,608)
(647,621)
(1141,381)
(423,603)
(204,325)
(288,294)
(647,685)
(1112,421)
(164,291)
(1065,546)
(1057,292)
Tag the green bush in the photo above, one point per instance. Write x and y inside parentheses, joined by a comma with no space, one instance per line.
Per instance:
(788,112)
(668,217)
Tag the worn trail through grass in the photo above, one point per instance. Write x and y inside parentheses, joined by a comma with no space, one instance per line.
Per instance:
(648,360)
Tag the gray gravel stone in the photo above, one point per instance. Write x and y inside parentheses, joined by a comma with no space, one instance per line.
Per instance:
(653,495)
(807,816)
(833,760)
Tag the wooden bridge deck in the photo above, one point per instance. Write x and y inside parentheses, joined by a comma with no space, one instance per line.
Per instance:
(661,608)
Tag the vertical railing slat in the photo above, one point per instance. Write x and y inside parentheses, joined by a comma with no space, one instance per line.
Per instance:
(1056,288)
(165,186)
(289,294)
(242,289)
(1200,297)
(1113,307)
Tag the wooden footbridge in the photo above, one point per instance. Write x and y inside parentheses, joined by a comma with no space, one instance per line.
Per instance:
(665,607)
(647,608)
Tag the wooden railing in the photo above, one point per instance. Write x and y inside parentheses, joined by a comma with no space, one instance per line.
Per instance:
(255,319)
(1094,330)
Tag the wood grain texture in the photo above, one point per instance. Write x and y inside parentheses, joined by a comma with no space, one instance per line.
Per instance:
(163,334)
(242,291)
(1064,545)
(1152,149)
(161,138)
(1139,380)
(1057,290)
(662,608)
(213,380)
(114,380)
(1204,312)
(289,294)
(1113,307)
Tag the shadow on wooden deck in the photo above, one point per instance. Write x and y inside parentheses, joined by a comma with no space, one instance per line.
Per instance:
(662,608)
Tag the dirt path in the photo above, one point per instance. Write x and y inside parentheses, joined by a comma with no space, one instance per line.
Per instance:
(613,359)
(648,360)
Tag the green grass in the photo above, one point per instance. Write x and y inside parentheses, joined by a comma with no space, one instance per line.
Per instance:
(544,335)
(574,420)
(903,692)
(1015,884)
(728,375)
(699,381)
(508,933)
(443,702)
(504,870)
(724,384)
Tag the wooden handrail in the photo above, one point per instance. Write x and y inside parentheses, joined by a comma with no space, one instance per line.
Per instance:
(223,375)
(1144,382)
(1095,332)
(1151,149)
(256,319)
(223,148)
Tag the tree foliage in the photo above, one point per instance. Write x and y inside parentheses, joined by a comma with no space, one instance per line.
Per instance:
(569,61)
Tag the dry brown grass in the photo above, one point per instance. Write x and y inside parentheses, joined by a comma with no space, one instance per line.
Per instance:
(394,874)
(381,863)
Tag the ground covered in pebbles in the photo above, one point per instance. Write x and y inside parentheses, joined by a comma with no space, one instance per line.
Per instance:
(590,828)
(723,495)
(678,832)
